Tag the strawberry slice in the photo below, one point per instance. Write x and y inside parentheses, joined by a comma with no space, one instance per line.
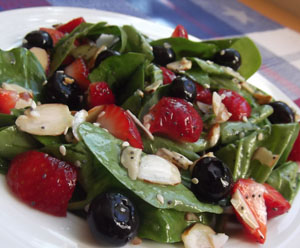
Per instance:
(276,204)
(168,75)
(203,95)
(174,118)
(180,31)
(8,100)
(235,104)
(55,34)
(295,154)
(69,26)
(99,94)
(79,71)
(41,181)
(120,124)
(249,205)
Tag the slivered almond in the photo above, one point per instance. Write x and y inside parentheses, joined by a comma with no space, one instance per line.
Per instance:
(154,86)
(175,158)
(266,157)
(247,87)
(19,89)
(79,118)
(53,120)
(42,56)
(130,159)
(93,113)
(180,65)
(155,169)
(262,99)
(214,135)
(205,108)
(220,111)
(197,236)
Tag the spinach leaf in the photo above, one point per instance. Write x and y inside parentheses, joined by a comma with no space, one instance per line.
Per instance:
(250,55)
(198,75)
(136,42)
(7,120)
(107,150)
(187,48)
(20,66)
(4,165)
(117,70)
(186,149)
(135,82)
(50,140)
(133,103)
(284,178)
(280,138)
(66,44)
(13,142)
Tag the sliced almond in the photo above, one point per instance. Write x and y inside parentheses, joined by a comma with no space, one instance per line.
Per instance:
(79,118)
(197,236)
(156,169)
(175,158)
(247,87)
(42,56)
(214,135)
(218,239)
(51,119)
(205,108)
(21,103)
(14,87)
(154,86)
(93,113)
(220,111)
(262,99)
(265,157)
(130,159)
(180,65)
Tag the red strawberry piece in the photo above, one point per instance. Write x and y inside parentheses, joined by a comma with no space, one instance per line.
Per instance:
(249,205)
(69,26)
(295,153)
(168,75)
(99,94)
(42,181)
(180,31)
(8,100)
(235,104)
(55,34)
(79,71)
(203,95)
(118,122)
(174,118)
(276,204)
(68,60)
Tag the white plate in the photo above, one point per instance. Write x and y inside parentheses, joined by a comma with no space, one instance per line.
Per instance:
(22,226)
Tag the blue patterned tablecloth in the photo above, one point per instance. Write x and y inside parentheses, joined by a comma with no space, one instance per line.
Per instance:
(279,45)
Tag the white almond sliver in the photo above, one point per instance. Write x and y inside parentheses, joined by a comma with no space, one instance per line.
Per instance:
(197,236)
(175,158)
(130,159)
(156,169)
(220,111)
(266,157)
(79,118)
(53,120)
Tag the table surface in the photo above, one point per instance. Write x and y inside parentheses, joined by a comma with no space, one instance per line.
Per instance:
(279,45)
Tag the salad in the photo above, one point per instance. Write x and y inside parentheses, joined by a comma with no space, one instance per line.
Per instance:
(156,139)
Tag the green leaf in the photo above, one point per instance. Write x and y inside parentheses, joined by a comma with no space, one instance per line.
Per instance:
(187,48)
(133,103)
(186,149)
(66,44)
(284,179)
(117,70)
(136,42)
(20,66)
(250,55)
(282,135)
(14,142)
(4,165)
(107,150)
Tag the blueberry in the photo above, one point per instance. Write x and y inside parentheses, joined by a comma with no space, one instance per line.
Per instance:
(63,89)
(228,57)
(282,113)
(113,219)
(184,88)
(104,55)
(163,55)
(213,180)
(37,38)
